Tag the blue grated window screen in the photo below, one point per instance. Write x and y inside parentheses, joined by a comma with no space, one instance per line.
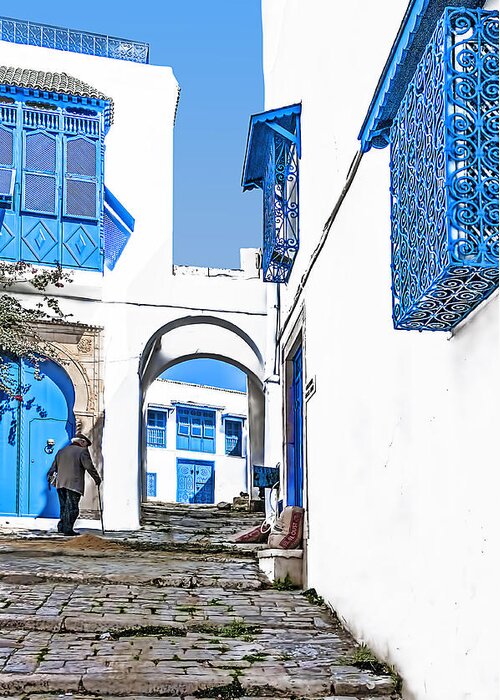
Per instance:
(234,437)
(39,176)
(195,429)
(81,178)
(157,428)
(444,176)
(118,227)
(6,147)
(151,484)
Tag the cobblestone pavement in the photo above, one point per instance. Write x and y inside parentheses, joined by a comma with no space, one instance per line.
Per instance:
(104,619)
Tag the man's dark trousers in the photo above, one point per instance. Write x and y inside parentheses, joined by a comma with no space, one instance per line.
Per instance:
(68,502)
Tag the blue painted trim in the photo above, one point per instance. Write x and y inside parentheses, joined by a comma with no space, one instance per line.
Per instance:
(230,416)
(18,31)
(260,128)
(413,36)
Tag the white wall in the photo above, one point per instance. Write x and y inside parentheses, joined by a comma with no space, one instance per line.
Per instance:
(401,433)
(230,472)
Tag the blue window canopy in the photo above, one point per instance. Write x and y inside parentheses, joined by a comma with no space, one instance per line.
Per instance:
(413,36)
(118,227)
(234,416)
(272,164)
(20,31)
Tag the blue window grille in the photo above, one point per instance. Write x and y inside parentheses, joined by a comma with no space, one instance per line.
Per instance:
(272,163)
(195,429)
(157,428)
(442,127)
(118,227)
(234,437)
(444,177)
(23,32)
(151,484)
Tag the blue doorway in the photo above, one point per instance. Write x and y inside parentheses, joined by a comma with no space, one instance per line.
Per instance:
(295,471)
(195,481)
(34,424)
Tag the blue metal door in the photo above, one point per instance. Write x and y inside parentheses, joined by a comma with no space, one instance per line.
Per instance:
(34,424)
(295,473)
(195,481)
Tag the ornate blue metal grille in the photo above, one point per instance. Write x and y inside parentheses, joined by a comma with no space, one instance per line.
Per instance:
(281,209)
(444,176)
(22,32)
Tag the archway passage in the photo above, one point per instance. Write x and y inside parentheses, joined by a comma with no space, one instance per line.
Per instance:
(201,427)
(34,424)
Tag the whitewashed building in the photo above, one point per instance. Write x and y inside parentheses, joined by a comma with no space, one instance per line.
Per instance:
(377,160)
(196,443)
(86,135)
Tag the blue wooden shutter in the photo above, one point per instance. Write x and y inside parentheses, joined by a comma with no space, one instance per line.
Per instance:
(39,174)
(81,178)
(6,165)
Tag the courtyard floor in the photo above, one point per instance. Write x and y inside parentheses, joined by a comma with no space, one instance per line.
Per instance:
(172,610)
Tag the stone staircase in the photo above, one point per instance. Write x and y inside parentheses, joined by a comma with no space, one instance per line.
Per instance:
(171,611)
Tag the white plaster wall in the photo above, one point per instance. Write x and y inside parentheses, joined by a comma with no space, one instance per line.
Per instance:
(230,472)
(402,450)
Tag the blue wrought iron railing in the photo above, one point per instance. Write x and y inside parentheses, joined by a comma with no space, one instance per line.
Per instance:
(20,31)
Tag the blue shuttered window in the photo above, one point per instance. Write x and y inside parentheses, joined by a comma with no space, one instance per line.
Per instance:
(195,429)
(81,178)
(39,173)
(234,437)
(157,428)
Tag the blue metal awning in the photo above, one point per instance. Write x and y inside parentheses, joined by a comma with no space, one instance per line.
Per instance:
(283,121)
(413,36)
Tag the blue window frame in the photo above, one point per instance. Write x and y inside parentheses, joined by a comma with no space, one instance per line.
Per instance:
(442,127)
(272,163)
(233,428)
(157,428)
(54,208)
(195,429)
(151,484)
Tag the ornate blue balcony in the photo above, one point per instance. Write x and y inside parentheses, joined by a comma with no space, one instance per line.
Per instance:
(22,32)
(444,176)
(272,163)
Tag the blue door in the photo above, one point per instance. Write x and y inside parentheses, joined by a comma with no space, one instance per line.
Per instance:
(295,473)
(34,424)
(195,481)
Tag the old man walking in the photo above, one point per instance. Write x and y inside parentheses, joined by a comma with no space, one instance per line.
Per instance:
(68,474)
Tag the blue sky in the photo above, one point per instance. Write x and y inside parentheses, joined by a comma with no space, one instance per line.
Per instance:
(209,372)
(215,49)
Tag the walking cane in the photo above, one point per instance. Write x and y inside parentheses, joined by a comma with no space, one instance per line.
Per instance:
(100,507)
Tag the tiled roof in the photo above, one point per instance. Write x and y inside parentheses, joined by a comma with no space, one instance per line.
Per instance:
(50,82)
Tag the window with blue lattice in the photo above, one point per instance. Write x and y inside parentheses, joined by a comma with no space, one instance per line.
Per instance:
(442,127)
(195,429)
(233,428)
(53,204)
(272,164)
(157,428)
